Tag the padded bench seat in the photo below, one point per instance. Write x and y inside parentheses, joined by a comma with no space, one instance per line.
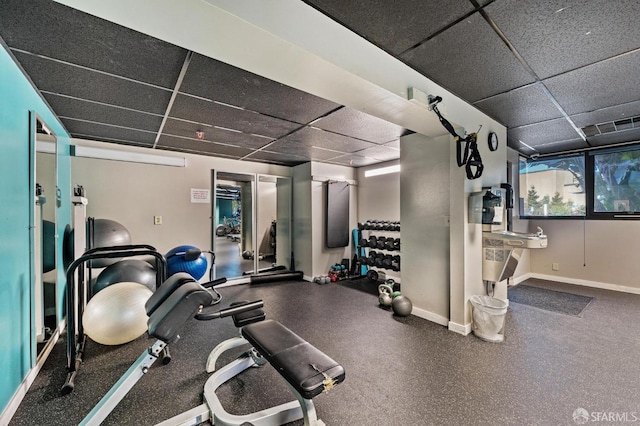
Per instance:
(300,363)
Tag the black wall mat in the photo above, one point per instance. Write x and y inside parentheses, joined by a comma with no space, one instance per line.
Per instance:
(337,214)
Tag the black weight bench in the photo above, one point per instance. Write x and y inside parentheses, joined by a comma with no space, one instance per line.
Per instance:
(306,370)
(239,320)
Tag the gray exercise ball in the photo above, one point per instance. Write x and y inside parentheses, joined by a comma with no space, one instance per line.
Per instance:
(127,270)
(402,306)
(108,233)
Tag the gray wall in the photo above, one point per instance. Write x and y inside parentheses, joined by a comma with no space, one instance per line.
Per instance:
(324,257)
(133,194)
(424,206)
(378,196)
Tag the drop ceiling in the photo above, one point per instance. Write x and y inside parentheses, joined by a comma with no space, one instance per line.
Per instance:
(544,69)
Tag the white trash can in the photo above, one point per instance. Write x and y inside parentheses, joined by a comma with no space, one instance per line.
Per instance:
(488,317)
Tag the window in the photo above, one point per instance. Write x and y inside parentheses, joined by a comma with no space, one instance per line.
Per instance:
(616,185)
(553,186)
(598,184)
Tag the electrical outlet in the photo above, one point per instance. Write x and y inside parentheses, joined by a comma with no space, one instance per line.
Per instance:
(555,266)
(157,220)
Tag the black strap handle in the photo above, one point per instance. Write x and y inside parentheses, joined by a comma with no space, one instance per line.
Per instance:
(469,156)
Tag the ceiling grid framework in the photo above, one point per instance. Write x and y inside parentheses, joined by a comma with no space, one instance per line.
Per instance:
(525,63)
(544,68)
(119,86)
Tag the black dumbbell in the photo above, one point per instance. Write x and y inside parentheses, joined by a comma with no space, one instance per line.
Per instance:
(381,243)
(395,263)
(389,244)
(396,244)
(387,261)
(363,242)
(373,241)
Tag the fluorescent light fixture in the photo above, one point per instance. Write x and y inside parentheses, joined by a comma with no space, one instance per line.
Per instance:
(133,157)
(47,147)
(382,171)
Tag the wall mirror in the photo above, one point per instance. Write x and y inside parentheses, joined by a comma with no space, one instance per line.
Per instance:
(45,235)
(274,221)
(232,223)
(251,223)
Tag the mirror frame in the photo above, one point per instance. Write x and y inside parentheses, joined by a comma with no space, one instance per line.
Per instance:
(37,145)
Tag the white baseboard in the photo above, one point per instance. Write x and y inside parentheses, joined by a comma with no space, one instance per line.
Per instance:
(430,316)
(587,283)
(307,278)
(517,280)
(20,393)
(459,328)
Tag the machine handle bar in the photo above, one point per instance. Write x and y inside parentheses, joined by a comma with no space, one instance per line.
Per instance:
(231,311)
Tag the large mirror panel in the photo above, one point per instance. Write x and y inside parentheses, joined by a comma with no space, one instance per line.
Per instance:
(274,221)
(251,223)
(232,220)
(46,203)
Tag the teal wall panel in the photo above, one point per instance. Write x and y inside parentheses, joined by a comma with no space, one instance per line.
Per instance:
(17,99)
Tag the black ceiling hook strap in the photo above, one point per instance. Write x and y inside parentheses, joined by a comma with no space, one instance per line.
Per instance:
(474,160)
(469,156)
(462,157)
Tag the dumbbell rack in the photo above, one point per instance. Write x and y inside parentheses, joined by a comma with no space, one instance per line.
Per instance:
(380,249)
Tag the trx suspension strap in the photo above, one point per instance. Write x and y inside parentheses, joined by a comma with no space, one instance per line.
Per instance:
(469,156)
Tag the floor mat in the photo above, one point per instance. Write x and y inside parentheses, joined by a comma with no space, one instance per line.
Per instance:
(549,300)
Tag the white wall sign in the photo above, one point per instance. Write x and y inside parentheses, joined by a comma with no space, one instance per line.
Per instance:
(200,196)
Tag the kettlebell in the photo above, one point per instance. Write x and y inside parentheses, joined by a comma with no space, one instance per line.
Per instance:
(385,299)
(384,295)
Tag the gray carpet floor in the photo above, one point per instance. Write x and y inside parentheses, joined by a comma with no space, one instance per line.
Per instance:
(399,371)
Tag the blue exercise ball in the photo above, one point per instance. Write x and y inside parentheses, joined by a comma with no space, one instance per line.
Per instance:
(176,262)
(130,270)
(108,233)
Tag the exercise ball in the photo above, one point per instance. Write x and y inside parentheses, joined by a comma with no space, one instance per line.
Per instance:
(48,246)
(176,262)
(116,315)
(108,233)
(131,270)
(401,306)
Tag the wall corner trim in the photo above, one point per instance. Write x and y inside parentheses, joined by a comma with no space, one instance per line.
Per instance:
(459,328)
(430,316)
